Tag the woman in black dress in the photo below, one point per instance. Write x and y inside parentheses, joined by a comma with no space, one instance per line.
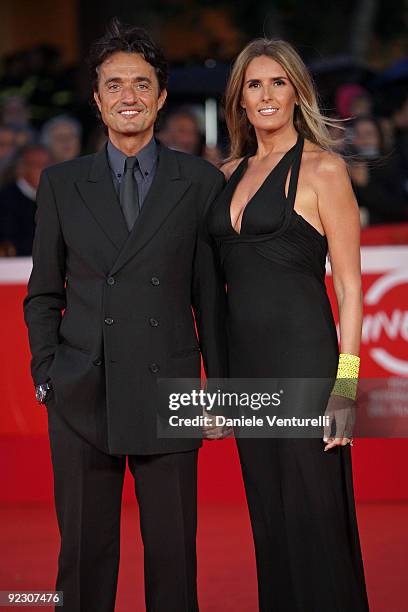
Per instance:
(287,203)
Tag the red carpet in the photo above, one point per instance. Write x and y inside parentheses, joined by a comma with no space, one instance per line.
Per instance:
(29,547)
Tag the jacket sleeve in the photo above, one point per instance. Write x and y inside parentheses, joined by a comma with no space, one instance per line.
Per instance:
(209,295)
(45,299)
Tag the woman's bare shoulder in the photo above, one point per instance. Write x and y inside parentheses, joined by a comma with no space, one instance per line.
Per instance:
(229,167)
(321,162)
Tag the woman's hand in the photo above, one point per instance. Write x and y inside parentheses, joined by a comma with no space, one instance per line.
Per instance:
(341,411)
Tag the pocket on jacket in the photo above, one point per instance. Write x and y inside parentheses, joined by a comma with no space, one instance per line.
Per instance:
(76,348)
(70,369)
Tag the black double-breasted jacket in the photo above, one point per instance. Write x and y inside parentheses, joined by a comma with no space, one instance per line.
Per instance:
(108,311)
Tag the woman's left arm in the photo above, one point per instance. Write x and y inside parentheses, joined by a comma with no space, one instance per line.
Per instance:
(340,218)
(341,222)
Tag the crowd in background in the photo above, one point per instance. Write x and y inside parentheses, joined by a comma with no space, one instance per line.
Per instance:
(42,123)
(376,148)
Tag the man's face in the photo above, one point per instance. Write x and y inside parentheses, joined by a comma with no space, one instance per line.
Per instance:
(31,166)
(64,142)
(182,134)
(128,95)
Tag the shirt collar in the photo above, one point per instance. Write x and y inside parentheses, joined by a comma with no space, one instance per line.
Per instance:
(26,189)
(146,157)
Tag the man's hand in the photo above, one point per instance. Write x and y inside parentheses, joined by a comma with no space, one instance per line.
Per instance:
(214,432)
(341,411)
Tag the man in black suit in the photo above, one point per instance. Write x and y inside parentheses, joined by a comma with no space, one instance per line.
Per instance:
(121,249)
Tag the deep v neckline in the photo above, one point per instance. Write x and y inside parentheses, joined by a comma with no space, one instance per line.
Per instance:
(241,169)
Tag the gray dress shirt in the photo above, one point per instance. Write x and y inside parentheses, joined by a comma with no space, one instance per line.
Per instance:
(144,171)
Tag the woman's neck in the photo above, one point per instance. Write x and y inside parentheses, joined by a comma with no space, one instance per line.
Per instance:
(278,141)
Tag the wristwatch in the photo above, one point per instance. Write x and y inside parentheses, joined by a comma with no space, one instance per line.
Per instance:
(41,392)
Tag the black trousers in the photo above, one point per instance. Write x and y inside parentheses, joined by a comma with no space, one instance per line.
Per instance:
(88,491)
(301,505)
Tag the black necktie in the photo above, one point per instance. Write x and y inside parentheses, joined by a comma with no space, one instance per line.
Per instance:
(129,196)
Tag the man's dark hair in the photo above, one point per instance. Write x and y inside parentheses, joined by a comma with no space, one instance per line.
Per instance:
(126,38)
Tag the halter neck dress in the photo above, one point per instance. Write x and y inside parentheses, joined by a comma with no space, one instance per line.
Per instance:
(280,323)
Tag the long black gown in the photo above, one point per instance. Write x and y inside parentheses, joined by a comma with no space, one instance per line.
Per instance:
(280,323)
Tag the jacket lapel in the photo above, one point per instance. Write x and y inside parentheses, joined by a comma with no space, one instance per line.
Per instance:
(165,193)
(99,195)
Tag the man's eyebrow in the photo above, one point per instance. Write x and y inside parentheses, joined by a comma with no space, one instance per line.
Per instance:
(119,79)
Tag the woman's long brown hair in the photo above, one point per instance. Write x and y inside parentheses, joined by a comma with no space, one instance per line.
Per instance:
(308,119)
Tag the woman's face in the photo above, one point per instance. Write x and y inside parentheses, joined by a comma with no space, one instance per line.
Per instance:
(268,96)
(366,139)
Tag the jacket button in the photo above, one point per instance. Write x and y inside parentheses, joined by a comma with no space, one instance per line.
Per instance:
(155,281)
(109,321)
(154,367)
(97,361)
(153,322)
(110,280)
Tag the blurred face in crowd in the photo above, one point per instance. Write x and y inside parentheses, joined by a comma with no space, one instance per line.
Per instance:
(268,96)
(15,111)
(360,106)
(182,133)
(8,141)
(64,142)
(32,164)
(366,138)
(128,97)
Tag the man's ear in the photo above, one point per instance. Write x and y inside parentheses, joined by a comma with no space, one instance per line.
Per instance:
(162,99)
(97,100)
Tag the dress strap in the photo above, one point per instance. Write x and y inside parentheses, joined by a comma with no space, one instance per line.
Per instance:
(294,175)
(292,160)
